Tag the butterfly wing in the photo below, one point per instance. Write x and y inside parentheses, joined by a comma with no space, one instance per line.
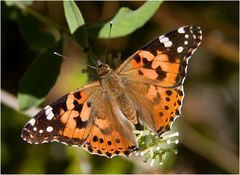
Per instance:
(67,120)
(156,107)
(87,117)
(154,76)
(163,61)
(111,133)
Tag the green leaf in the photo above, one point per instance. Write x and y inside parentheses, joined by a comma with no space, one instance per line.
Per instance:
(39,77)
(34,33)
(13,3)
(73,16)
(126,21)
(76,22)
(80,36)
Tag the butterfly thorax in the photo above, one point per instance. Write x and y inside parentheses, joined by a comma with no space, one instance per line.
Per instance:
(113,88)
(109,80)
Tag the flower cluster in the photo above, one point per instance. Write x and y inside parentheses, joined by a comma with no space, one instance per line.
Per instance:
(154,148)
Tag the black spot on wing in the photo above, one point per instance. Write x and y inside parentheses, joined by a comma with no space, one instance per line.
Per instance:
(137,58)
(160,114)
(79,123)
(95,138)
(90,149)
(180,93)
(78,107)
(108,154)
(179,102)
(161,73)
(77,95)
(89,104)
(171,118)
(117,141)
(169,92)
(147,64)
(140,73)
(109,143)
(101,140)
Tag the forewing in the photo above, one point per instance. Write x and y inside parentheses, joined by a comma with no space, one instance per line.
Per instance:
(67,120)
(163,61)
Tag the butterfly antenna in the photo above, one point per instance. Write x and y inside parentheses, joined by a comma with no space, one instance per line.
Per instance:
(108,42)
(70,59)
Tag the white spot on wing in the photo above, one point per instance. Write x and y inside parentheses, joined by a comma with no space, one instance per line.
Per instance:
(168,44)
(180,49)
(181,30)
(185,42)
(186,36)
(165,41)
(49,129)
(29,141)
(161,37)
(34,129)
(54,140)
(40,131)
(32,121)
(64,143)
(48,112)
(75,145)
(49,109)
(24,138)
(50,116)
(46,107)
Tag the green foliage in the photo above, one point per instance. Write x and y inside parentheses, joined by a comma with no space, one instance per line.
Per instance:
(73,16)
(34,33)
(18,3)
(126,21)
(39,77)
(76,23)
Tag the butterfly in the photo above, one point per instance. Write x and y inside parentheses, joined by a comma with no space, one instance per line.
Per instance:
(147,88)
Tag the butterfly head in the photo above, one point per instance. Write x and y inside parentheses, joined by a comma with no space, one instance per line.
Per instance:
(102,68)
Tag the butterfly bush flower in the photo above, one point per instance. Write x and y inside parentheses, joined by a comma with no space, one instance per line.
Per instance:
(154,148)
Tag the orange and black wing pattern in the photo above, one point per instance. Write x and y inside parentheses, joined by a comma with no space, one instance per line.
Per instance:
(67,120)
(155,75)
(163,61)
(86,117)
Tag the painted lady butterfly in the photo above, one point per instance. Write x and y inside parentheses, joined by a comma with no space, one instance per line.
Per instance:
(147,88)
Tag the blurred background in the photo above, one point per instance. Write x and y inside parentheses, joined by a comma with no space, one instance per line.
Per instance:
(208,126)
